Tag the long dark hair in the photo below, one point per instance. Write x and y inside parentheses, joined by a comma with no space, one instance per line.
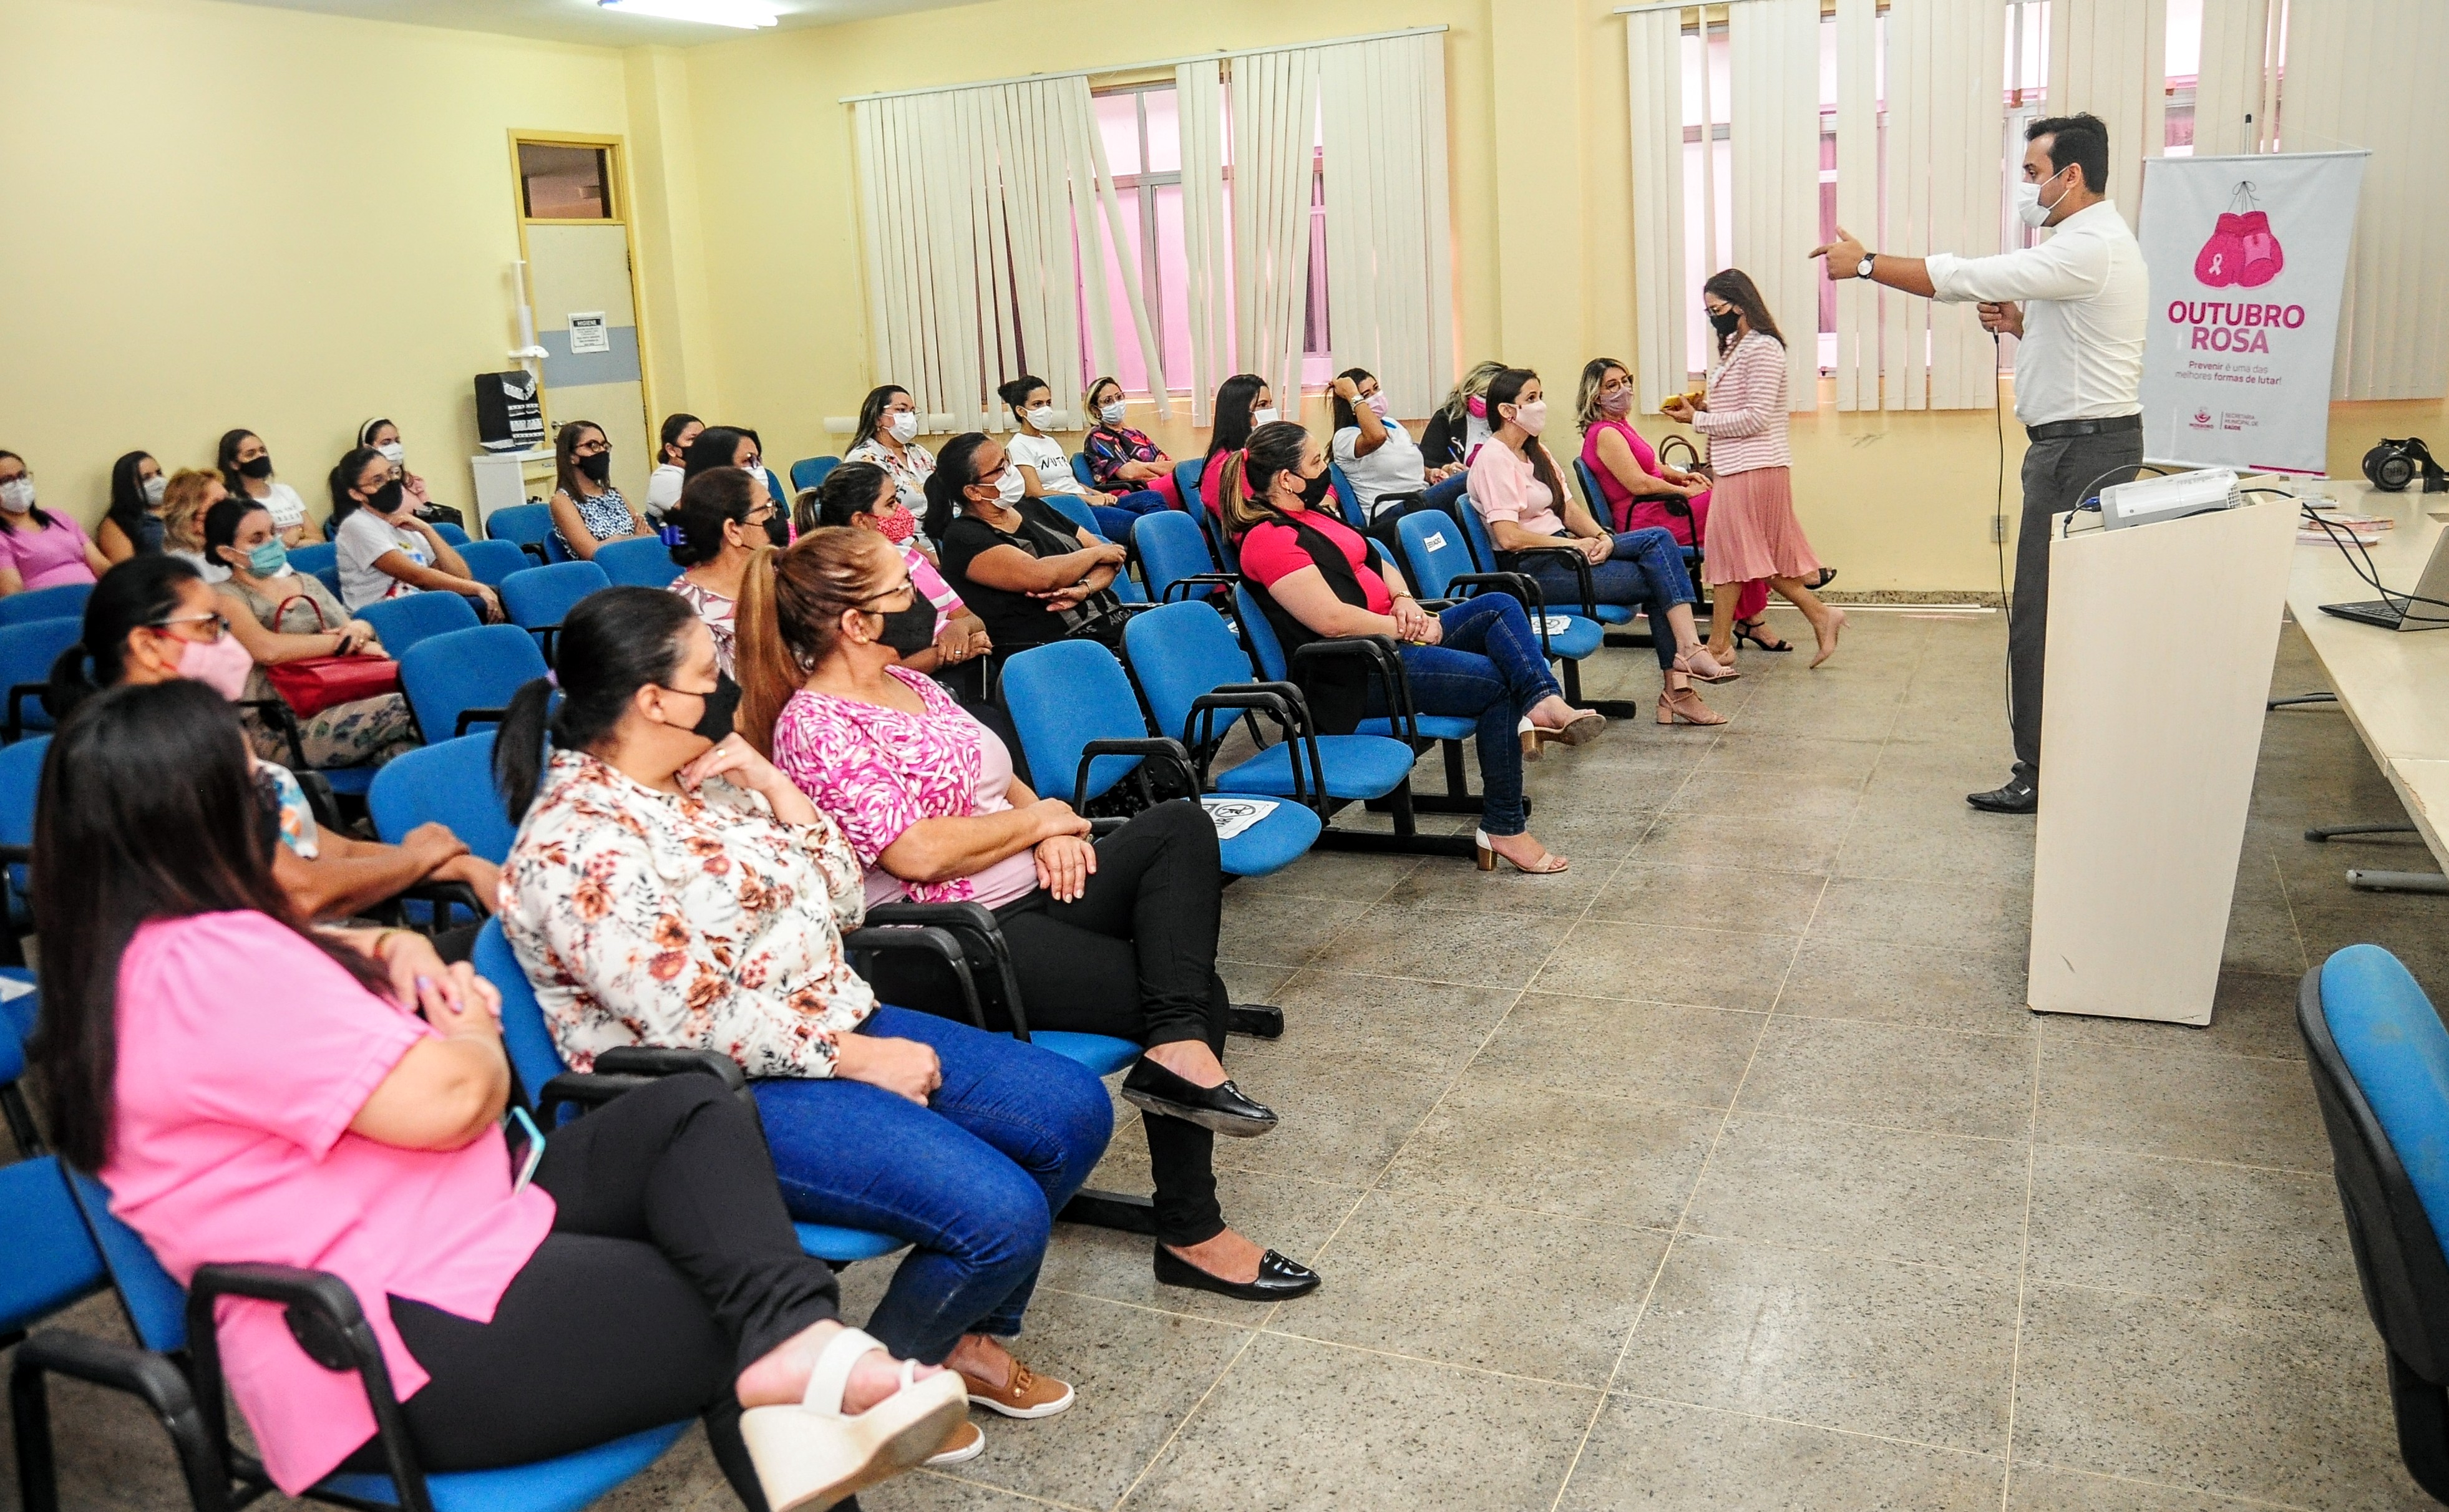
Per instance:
(343,478)
(566,475)
(1234,398)
(226,457)
(137,592)
(848,490)
(953,472)
(1250,471)
(1506,387)
(1342,413)
(614,642)
(712,498)
(1735,286)
(716,446)
(127,508)
(871,410)
(148,810)
(673,426)
(41,520)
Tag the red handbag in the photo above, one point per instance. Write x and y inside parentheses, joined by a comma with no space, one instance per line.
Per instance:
(312,684)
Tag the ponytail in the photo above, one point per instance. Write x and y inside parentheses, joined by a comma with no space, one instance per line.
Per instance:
(768,671)
(953,475)
(788,619)
(519,746)
(1273,448)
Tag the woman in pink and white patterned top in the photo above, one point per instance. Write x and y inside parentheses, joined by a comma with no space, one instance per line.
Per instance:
(1115,936)
(1753,532)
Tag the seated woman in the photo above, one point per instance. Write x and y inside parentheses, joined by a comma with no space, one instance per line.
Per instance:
(1031,575)
(1378,455)
(587,509)
(384,549)
(1242,404)
(252,1089)
(133,525)
(1455,434)
(1120,458)
(152,620)
(1516,488)
(1640,493)
(724,445)
(716,525)
(888,436)
(936,633)
(247,472)
(679,433)
(669,887)
(1479,660)
(39,549)
(280,614)
(1046,467)
(1116,937)
(186,500)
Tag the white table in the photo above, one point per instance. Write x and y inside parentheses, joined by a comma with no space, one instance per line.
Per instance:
(2393,685)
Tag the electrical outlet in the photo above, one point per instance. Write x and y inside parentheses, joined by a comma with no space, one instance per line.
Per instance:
(1997,530)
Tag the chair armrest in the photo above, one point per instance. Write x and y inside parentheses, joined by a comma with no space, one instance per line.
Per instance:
(16,855)
(155,1379)
(1222,580)
(659,1061)
(444,896)
(936,940)
(535,550)
(467,717)
(1385,666)
(550,632)
(1524,587)
(1292,718)
(1581,566)
(17,697)
(277,712)
(1154,747)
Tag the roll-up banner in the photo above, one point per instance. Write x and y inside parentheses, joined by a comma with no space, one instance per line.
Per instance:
(2248,256)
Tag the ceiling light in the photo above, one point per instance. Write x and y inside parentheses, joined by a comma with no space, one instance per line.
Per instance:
(745,15)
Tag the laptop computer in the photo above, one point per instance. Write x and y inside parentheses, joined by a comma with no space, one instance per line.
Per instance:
(2427,610)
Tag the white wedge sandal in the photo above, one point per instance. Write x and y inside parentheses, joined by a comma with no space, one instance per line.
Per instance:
(813,1455)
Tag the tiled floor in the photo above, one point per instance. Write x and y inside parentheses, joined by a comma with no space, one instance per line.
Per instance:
(1727,1171)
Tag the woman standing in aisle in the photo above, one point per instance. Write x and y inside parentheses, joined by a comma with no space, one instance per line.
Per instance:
(1752,530)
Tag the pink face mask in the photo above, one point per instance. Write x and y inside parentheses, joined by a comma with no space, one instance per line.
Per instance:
(1618,402)
(221,665)
(898,527)
(1477,405)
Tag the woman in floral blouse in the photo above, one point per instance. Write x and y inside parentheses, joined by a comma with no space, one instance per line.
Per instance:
(888,436)
(1120,458)
(1114,937)
(669,887)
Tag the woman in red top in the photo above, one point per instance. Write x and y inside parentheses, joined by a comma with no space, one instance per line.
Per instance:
(1312,575)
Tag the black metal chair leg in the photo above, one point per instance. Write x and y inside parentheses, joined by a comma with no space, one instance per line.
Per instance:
(1110,1210)
(2299,700)
(1258,1019)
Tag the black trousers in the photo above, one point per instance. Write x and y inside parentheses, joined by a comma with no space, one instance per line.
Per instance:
(2057,476)
(671,1267)
(1133,956)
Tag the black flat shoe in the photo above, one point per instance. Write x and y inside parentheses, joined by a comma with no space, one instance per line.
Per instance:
(1827,576)
(1279,1279)
(1151,1089)
(2016,797)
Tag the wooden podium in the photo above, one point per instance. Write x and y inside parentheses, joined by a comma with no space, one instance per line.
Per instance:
(2161,640)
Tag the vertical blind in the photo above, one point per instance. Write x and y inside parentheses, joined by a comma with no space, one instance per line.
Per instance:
(1773,79)
(1654,62)
(2109,57)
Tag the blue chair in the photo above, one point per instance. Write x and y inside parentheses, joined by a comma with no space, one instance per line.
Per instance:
(527,524)
(467,677)
(809,472)
(1080,469)
(2379,1062)
(451,533)
(540,598)
(21,779)
(1073,704)
(450,782)
(27,652)
(781,496)
(1074,509)
(1435,561)
(403,623)
(321,559)
(1483,550)
(1186,482)
(67,601)
(1347,502)
(642,562)
(1591,495)
(489,562)
(1175,560)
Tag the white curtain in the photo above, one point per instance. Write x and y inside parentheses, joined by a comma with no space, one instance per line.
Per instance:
(1275,135)
(1206,233)
(2231,112)
(2109,57)
(2363,73)
(1858,200)
(982,214)
(1946,71)
(1389,240)
(1654,61)
(1773,57)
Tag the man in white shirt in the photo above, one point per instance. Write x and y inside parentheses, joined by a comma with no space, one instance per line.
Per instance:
(2085,296)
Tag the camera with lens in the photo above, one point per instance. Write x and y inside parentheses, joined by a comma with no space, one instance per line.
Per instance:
(2393,464)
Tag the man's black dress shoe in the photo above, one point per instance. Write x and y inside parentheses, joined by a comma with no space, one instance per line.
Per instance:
(1151,1089)
(2018,797)
(1279,1278)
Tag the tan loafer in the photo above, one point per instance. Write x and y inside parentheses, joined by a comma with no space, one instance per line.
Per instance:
(1028,1394)
(968,1441)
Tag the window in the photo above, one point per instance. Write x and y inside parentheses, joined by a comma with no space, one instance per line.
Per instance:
(1142,128)
(564,183)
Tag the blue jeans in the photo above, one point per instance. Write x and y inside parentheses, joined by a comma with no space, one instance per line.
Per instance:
(973,1179)
(1488,667)
(1646,570)
(1114,519)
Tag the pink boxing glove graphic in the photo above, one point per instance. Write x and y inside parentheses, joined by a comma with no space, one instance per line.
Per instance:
(2260,250)
(2221,261)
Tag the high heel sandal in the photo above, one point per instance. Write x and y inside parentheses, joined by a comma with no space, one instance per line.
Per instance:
(814,1454)
(1484,856)
(1753,629)
(1684,706)
(1698,662)
(1836,629)
(1532,738)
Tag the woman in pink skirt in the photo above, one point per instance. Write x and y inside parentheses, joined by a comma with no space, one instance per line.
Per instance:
(1752,530)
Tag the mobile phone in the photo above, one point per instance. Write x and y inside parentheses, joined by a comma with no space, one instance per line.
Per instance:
(527,1147)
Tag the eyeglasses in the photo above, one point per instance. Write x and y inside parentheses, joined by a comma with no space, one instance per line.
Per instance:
(907,586)
(219,625)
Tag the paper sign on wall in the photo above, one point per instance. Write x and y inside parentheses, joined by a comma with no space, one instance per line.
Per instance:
(587,332)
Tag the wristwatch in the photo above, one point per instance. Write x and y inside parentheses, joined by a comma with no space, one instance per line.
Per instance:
(1863,269)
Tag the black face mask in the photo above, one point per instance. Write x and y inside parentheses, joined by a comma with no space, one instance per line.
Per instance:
(778,529)
(598,467)
(715,722)
(260,467)
(1314,490)
(387,498)
(1724,321)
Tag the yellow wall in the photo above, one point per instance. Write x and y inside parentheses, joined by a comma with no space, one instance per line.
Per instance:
(224,214)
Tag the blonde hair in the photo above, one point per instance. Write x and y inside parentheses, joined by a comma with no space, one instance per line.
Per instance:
(183,506)
(789,617)
(1470,386)
(1586,399)
(1089,395)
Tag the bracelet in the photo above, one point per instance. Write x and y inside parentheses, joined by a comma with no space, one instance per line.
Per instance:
(375,949)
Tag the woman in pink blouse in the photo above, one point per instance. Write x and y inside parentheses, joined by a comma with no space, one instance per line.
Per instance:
(669,887)
(1753,532)
(720,519)
(38,550)
(254,1090)
(1115,936)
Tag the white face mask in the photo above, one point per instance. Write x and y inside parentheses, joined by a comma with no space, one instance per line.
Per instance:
(1112,413)
(1042,418)
(1011,486)
(1259,417)
(1531,418)
(392,450)
(154,488)
(2029,208)
(17,495)
(904,425)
